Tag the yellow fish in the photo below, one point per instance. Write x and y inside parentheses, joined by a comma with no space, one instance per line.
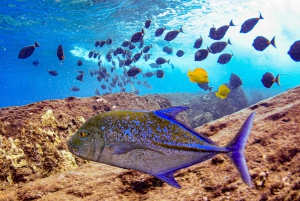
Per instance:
(223,91)
(199,75)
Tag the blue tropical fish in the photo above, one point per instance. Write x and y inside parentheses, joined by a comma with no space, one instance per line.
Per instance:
(154,142)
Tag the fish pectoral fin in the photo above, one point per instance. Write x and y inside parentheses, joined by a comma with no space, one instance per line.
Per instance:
(168,177)
(124,147)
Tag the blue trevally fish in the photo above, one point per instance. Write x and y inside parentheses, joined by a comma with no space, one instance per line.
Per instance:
(154,142)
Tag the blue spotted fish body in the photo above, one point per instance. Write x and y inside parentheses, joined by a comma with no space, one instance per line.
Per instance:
(153,142)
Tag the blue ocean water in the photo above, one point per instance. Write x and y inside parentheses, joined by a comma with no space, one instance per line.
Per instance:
(77,24)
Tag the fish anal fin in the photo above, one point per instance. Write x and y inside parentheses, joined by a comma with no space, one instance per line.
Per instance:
(168,177)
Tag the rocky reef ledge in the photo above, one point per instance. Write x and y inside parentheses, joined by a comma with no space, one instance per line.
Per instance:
(36,165)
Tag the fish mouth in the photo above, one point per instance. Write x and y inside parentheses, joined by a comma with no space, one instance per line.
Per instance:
(72,149)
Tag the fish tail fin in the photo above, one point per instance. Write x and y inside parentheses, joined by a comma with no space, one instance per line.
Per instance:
(231,23)
(36,44)
(273,42)
(277,79)
(209,50)
(168,61)
(237,146)
(143,32)
(181,30)
(260,16)
(229,41)
(189,72)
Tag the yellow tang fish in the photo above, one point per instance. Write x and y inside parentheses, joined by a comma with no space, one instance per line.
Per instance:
(222,92)
(199,75)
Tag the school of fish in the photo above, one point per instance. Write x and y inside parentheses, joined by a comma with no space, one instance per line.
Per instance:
(110,77)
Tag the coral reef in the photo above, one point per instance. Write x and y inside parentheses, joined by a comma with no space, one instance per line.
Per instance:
(272,154)
(33,137)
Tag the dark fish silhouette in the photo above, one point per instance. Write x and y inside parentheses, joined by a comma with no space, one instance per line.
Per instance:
(161,60)
(180,53)
(74,88)
(103,86)
(218,47)
(147,48)
(159,31)
(52,72)
(260,43)
(126,43)
(160,73)
(171,35)
(234,81)
(141,44)
(108,57)
(204,86)
(202,54)
(95,55)
(137,56)
(36,63)
(154,65)
(294,51)
(249,24)
(133,71)
(119,50)
(146,57)
(120,84)
(97,92)
(108,41)
(80,77)
(147,24)
(148,74)
(168,50)
(128,61)
(91,73)
(27,51)
(97,43)
(131,46)
(91,53)
(60,53)
(219,33)
(198,43)
(79,63)
(99,78)
(224,58)
(102,43)
(137,36)
(268,79)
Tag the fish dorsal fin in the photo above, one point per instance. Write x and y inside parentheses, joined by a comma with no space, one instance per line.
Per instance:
(170,113)
(168,177)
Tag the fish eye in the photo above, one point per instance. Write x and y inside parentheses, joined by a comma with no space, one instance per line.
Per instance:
(82,134)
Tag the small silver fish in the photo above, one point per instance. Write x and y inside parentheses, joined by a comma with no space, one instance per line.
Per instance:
(153,142)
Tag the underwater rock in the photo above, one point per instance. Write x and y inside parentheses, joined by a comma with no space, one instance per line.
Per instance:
(202,119)
(272,153)
(33,137)
(200,104)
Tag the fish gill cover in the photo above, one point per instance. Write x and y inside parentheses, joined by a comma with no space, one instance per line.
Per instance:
(78,24)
